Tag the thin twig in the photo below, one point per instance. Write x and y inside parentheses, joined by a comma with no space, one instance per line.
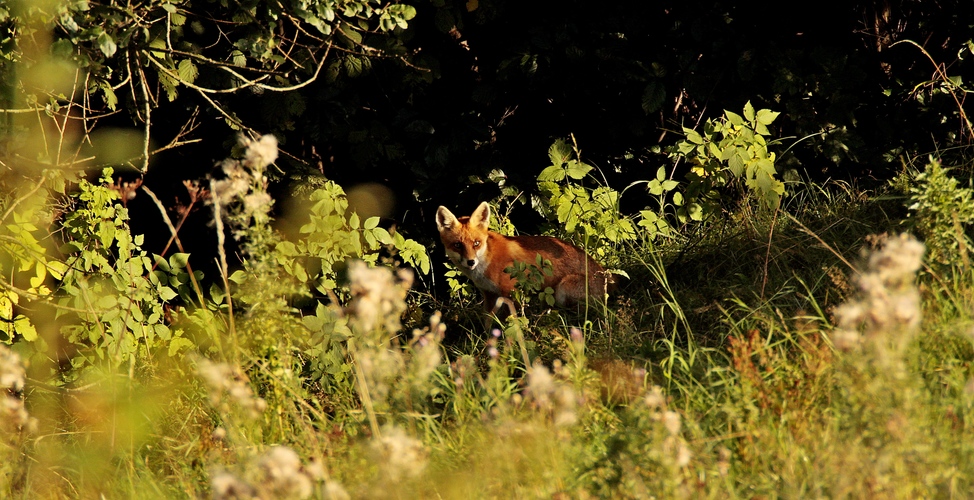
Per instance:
(175,237)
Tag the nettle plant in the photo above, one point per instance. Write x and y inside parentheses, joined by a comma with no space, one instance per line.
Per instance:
(589,216)
(114,293)
(941,211)
(730,148)
(530,281)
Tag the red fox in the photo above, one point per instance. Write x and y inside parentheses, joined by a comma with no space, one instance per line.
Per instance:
(483,255)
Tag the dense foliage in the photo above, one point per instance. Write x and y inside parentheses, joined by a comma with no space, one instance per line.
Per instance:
(218,274)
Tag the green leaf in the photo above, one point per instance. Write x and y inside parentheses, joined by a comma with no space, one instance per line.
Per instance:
(734,118)
(187,71)
(238,58)
(749,112)
(161,263)
(23,326)
(766,116)
(736,164)
(179,343)
(217,293)
(653,96)
(352,36)
(178,260)
(577,170)
(167,294)
(354,66)
(371,223)
(238,277)
(694,137)
(106,44)
(57,269)
(110,99)
(553,173)
(559,152)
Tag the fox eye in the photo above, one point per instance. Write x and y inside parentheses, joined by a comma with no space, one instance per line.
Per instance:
(458,245)
(476,244)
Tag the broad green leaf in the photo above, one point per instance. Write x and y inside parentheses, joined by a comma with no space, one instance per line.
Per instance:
(161,263)
(110,99)
(25,328)
(178,260)
(167,294)
(559,152)
(553,173)
(238,277)
(694,137)
(734,118)
(57,269)
(187,70)
(371,223)
(736,164)
(577,170)
(661,174)
(217,293)
(766,116)
(749,112)
(106,44)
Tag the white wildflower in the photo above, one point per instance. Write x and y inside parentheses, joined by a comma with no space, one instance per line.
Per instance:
(234,185)
(683,455)
(888,301)
(13,414)
(283,475)
(335,491)
(541,384)
(399,456)
(550,394)
(226,486)
(224,379)
(672,422)
(257,203)
(260,153)
(376,297)
(12,373)
(898,261)
(654,397)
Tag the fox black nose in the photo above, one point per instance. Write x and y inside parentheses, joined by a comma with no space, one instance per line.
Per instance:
(471,262)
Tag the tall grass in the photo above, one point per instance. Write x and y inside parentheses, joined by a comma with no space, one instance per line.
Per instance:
(858,386)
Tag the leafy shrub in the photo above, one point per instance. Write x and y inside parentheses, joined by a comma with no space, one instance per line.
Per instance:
(941,212)
(729,148)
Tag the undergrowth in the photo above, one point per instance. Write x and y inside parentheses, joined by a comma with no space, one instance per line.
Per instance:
(768,338)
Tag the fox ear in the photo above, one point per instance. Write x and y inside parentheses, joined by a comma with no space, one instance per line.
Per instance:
(445,220)
(481,216)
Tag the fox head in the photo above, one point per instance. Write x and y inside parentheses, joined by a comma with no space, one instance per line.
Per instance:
(465,238)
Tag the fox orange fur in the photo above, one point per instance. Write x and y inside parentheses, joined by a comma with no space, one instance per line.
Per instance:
(483,255)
